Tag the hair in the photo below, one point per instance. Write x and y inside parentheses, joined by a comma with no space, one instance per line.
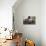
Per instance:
(29,17)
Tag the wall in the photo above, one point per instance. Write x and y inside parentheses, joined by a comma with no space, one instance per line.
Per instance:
(6,13)
(24,9)
(43,22)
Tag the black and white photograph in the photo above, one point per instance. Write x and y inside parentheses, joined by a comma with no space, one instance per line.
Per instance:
(29,20)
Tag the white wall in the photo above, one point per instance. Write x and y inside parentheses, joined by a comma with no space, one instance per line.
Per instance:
(43,22)
(29,8)
(6,13)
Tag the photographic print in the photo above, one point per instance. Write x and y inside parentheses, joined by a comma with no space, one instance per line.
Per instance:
(29,20)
